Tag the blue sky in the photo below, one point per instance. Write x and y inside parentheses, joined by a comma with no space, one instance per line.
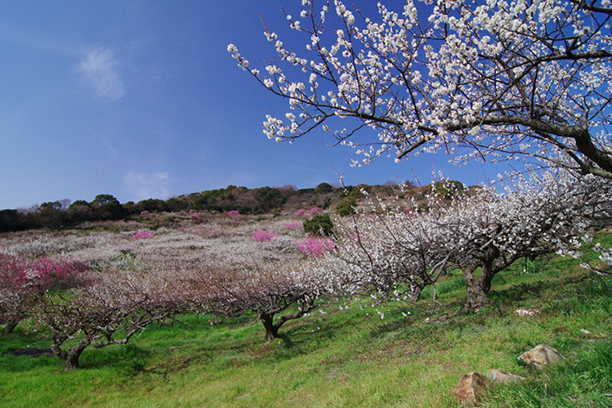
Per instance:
(140,99)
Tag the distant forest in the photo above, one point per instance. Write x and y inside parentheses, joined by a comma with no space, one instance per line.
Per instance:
(104,207)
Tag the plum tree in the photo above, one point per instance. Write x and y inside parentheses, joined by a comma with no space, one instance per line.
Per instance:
(395,253)
(110,310)
(483,80)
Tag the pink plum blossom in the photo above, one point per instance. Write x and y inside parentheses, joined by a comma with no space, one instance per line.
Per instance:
(293,225)
(40,272)
(263,236)
(315,246)
(142,235)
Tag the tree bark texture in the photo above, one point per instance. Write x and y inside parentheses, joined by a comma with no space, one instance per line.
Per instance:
(10,326)
(72,355)
(478,288)
(268,322)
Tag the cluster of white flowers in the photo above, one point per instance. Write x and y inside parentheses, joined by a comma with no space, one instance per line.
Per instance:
(495,78)
(211,268)
(385,249)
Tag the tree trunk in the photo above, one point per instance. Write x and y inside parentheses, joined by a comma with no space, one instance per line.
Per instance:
(72,362)
(415,293)
(72,355)
(476,292)
(268,323)
(477,289)
(10,326)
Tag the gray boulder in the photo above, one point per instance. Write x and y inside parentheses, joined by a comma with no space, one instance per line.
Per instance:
(504,377)
(540,356)
(471,389)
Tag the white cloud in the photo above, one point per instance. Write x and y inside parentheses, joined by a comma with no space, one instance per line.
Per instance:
(100,70)
(146,186)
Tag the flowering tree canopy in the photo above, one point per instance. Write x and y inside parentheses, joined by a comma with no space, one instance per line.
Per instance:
(496,79)
(396,254)
(111,310)
(267,289)
(23,282)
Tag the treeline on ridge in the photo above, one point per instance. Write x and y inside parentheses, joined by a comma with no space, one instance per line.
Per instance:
(105,207)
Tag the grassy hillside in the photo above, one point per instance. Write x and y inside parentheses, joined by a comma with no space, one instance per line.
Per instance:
(346,355)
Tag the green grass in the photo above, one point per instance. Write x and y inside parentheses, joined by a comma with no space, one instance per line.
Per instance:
(345,358)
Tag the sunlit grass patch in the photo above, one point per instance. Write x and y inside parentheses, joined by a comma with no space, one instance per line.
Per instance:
(343,356)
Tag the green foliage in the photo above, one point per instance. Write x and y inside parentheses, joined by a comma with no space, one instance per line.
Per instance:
(107,207)
(52,205)
(175,205)
(11,220)
(52,218)
(102,200)
(248,201)
(324,188)
(327,203)
(320,224)
(127,259)
(346,206)
(269,198)
(79,203)
(448,189)
(80,211)
(357,193)
(531,265)
(206,201)
(449,284)
(152,205)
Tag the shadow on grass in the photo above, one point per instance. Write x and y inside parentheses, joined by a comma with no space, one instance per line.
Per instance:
(127,358)
(287,342)
(518,293)
(24,363)
(535,289)
(22,350)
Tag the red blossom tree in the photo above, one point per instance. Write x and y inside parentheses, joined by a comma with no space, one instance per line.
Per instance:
(24,282)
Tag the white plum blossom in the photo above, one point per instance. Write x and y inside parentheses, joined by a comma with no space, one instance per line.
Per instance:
(396,251)
(488,80)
